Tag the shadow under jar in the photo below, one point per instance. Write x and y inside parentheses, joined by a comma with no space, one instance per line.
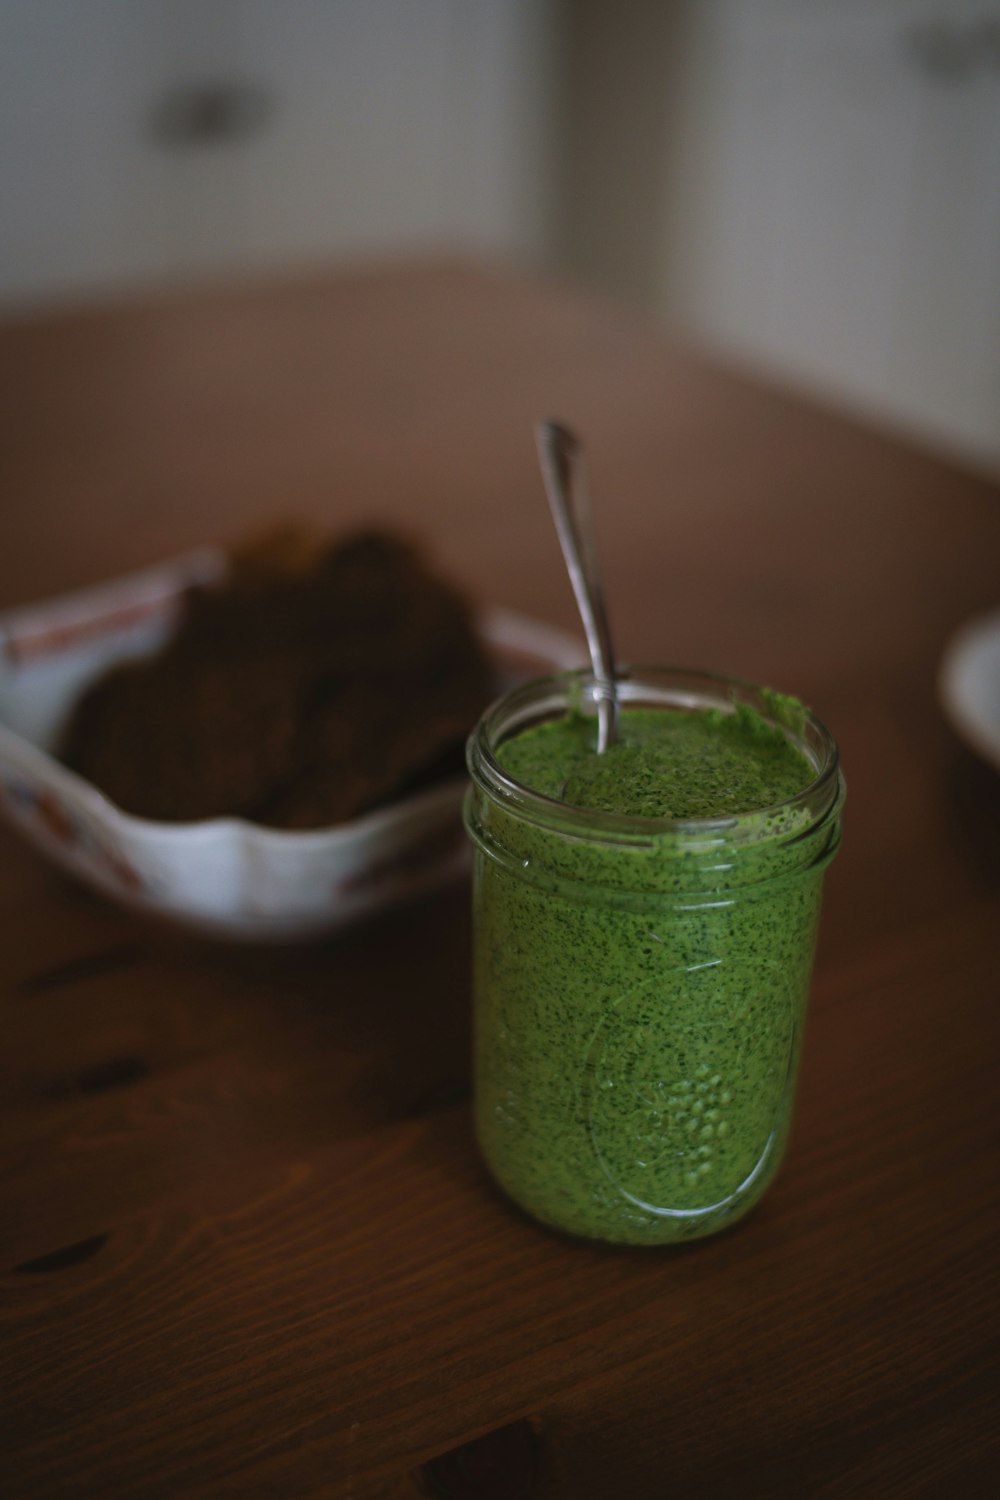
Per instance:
(641,983)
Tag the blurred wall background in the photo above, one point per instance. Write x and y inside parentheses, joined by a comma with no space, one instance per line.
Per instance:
(810,186)
(153,141)
(824,196)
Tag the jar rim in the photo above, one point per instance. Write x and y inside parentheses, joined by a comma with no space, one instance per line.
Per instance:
(545,698)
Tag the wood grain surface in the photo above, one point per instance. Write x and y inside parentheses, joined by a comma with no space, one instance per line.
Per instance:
(247,1247)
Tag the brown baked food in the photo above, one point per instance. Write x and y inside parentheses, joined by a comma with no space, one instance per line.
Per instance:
(318,682)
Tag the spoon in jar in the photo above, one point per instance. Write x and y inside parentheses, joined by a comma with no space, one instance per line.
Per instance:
(560,453)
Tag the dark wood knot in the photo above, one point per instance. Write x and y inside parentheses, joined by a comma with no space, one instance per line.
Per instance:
(500,1465)
(63,1259)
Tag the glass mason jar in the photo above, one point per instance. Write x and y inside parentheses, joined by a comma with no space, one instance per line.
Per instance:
(640,984)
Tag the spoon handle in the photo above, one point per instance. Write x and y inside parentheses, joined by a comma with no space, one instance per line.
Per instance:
(560,453)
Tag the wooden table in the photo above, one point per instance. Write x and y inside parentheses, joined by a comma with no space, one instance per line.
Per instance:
(246,1245)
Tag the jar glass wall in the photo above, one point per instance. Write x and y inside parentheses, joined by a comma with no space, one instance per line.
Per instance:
(640,984)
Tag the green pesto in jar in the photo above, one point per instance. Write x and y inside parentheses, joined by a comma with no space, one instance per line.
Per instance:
(665,763)
(640,999)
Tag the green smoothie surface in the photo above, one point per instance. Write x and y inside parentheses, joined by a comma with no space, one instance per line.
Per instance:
(666,763)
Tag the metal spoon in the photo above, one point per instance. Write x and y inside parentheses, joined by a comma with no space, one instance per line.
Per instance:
(560,453)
